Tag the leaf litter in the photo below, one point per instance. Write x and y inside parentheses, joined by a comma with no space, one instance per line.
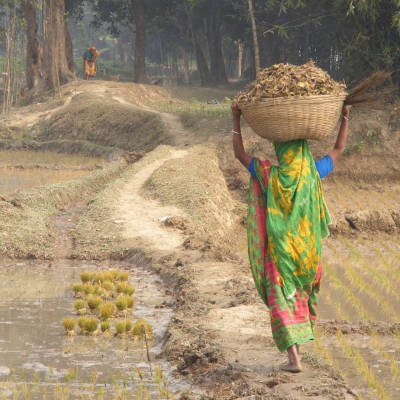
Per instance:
(285,80)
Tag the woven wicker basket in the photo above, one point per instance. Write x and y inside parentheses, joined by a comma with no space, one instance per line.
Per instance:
(297,117)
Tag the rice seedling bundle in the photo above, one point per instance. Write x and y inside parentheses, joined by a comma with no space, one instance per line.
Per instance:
(107,310)
(142,326)
(94,302)
(90,324)
(79,304)
(105,326)
(123,326)
(121,303)
(86,276)
(69,324)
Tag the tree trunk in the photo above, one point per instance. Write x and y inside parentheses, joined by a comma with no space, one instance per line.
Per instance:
(68,48)
(214,21)
(140,44)
(202,66)
(55,64)
(33,49)
(240,59)
(255,38)
(186,72)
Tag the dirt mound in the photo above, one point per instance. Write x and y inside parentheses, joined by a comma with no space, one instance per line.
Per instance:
(366,221)
(105,122)
(196,184)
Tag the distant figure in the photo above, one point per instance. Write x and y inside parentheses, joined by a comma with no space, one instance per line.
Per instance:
(89,63)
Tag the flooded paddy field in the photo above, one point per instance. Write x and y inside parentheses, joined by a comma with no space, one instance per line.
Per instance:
(360,298)
(38,358)
(22,170)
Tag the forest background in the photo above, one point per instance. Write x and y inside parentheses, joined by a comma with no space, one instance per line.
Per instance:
(192,42)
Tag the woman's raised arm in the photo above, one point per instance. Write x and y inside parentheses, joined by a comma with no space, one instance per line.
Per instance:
(237,141)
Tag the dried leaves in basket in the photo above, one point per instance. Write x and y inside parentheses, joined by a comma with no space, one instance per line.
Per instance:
(284,80)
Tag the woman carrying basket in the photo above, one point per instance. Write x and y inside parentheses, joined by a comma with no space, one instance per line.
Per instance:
(286,222)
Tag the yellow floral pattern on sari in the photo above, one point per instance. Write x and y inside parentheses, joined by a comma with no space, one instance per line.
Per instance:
(297,215)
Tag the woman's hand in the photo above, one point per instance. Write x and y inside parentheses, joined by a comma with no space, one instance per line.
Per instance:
(346,110)
(235,109)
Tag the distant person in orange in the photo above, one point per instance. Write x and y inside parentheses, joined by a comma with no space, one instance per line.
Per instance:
(89,63)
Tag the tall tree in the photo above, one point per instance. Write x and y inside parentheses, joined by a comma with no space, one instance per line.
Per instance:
(33,49)
(55,63)
(255,38)
(140,41)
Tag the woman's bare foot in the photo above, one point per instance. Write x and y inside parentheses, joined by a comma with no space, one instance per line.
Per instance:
(294,360)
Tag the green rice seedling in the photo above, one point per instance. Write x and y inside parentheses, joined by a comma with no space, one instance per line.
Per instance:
(353,299)
(138,328)
(108,286)
(363,367)
(94,302)
(121,303)
(98,277)
(114,274)
(125,288)
(130,301)
(69,324)
(107,310)
(79,304)
(123,276)
(123,326)
(108,276)
(82,323)
(120,327)
(88,288)
(86,276)
(78,289)
(105,326)
(91,324)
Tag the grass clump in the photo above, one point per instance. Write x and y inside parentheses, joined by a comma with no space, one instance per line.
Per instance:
(107,310)
(130,301)
(81,323)
(142,326)
(125,288)
(98,277)
(86,276)
(88,288)
(105,326)
(108,286)
(90,325)
(123,276)
(69,324)
(121,303)
(123,326)
(79,304)
(78,289)
(94,302)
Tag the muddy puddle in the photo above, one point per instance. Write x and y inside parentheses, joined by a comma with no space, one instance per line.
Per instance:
(36,356)
(22,170)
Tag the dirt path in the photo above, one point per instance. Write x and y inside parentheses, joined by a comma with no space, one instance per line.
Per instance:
(141,218)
